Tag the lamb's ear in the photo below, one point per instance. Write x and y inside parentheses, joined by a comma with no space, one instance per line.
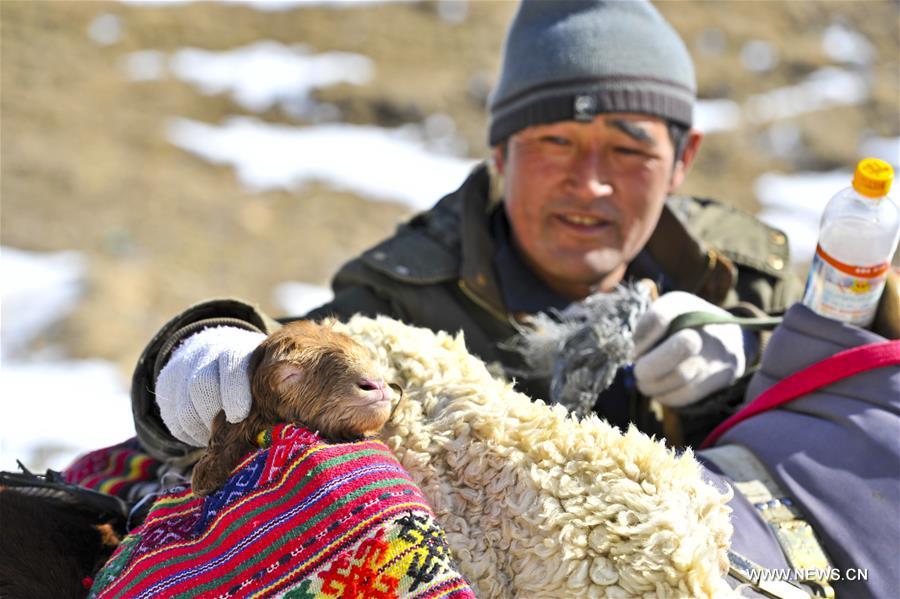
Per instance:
(287,375)
(266,372)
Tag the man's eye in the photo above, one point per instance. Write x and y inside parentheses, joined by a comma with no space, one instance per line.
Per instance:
(628,151)
(556,140)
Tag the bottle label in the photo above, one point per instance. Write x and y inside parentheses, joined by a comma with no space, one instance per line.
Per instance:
(842,291)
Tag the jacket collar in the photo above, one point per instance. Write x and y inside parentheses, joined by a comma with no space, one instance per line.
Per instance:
(690,265)
(477,276)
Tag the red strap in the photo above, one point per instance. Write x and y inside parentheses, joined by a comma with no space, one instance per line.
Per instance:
(830,370)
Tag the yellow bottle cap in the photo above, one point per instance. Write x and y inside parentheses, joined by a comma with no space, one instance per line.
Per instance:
(873,177)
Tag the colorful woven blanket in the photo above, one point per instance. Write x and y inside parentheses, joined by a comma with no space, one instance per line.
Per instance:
(123,470)
(299,518)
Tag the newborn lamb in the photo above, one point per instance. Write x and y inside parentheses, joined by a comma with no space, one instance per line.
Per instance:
(305,374)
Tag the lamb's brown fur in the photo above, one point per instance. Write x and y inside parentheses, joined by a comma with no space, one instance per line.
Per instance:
(309,374)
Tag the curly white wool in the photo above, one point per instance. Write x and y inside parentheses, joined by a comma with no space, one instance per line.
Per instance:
(536,503)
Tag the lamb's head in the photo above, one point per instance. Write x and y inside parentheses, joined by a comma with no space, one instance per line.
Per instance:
(306,373)
(309,373)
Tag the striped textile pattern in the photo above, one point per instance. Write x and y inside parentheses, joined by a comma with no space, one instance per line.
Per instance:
(299,518)
(121,470)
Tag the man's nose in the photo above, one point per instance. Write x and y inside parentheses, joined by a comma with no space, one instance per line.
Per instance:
(590,176)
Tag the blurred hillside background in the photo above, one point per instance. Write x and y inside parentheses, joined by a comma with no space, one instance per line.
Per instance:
(154,154)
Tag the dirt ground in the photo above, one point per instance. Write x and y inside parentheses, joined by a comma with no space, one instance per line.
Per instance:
(85,164)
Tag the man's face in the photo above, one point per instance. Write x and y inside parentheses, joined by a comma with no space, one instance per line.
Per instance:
(583,198)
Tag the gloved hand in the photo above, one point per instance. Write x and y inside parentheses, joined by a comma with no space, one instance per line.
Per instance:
(205,374)
(692,363)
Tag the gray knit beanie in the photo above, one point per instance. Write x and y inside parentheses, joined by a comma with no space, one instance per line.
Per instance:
(574,59)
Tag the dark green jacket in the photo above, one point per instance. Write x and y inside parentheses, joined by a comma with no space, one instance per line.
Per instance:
(437,272)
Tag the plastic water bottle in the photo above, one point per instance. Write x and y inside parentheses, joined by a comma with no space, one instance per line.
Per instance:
(858,236)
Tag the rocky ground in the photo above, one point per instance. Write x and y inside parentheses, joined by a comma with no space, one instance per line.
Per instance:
(86,165)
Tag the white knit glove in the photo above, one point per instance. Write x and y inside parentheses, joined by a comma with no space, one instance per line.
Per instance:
(205,374)
(692,363)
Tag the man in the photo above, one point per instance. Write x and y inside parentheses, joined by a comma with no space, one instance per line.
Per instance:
(591,133)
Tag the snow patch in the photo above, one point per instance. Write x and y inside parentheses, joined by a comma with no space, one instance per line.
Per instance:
(794,204)
(52,410)
(296,299)
(376,163)
(266,73)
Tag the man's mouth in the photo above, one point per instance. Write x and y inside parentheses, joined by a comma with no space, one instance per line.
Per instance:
(583,222)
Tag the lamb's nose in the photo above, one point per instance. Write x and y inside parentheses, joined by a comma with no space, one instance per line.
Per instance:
(371,385)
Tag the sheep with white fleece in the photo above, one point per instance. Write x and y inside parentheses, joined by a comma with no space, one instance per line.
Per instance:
(535,502)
